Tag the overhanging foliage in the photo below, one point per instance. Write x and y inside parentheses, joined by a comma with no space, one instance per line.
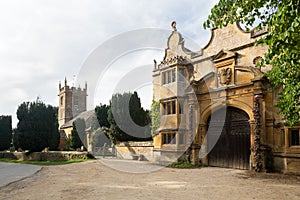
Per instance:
(282,18)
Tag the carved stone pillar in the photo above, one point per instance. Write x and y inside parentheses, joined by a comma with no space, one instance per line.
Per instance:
(252,135)
(190,124)
(256,147)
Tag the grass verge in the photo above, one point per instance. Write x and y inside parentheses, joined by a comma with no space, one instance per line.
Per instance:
(43,163)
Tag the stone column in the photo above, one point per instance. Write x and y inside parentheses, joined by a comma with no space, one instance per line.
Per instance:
(195,154)
(194,147)
(256,147)
(191,124)
(203,147)
(252,134)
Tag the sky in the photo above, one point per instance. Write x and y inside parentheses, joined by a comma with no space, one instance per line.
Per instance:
(42,42)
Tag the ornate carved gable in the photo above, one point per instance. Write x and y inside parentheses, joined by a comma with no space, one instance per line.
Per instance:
(229,37)
(176,53)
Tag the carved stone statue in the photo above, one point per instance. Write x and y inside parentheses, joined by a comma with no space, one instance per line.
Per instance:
(173,24)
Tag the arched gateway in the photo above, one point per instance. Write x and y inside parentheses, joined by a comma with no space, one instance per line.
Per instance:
(228,138)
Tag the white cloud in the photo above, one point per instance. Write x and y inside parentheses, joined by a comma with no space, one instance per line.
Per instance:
(44,41)
(129,68)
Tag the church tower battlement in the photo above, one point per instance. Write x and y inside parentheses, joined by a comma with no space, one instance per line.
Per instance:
(72,102)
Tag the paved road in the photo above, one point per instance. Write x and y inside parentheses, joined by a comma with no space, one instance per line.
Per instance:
(11,172)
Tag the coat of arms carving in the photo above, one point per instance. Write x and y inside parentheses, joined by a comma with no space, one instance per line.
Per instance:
(225,75)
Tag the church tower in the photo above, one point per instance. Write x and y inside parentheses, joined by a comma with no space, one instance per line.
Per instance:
(72,102)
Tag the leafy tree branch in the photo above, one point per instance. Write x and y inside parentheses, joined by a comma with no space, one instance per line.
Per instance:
(282,19)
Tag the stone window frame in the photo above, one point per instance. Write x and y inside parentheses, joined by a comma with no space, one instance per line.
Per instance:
(169,138)
(173,138)
(61,100)
(294,141)
(168,76)
(169,107)
(181,74)
(180,104)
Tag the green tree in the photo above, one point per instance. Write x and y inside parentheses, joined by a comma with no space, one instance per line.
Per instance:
(140,116)
(37,127)
(78,136)
(102,114)
(127,119)
(53,135)
(5,132)
(15,138)
(282,19)
(94,123)
(155,117)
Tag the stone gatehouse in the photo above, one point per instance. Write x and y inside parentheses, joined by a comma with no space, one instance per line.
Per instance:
(208,100)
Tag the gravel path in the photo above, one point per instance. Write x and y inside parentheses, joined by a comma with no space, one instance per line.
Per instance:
(93,180)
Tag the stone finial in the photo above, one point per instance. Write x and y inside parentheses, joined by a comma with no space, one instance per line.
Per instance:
(59,85)
(173,24)
(65,81)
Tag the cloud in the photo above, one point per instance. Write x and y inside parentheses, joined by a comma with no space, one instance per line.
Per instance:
(44,41)
(130,72)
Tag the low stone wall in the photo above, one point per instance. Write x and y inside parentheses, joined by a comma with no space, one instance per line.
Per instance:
(135,150)
(42,156)
(287,163)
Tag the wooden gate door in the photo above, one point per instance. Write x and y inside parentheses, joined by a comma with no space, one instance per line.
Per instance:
(228,139)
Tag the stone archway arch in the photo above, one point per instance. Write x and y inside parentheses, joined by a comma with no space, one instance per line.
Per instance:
(242,106)
(206,113)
